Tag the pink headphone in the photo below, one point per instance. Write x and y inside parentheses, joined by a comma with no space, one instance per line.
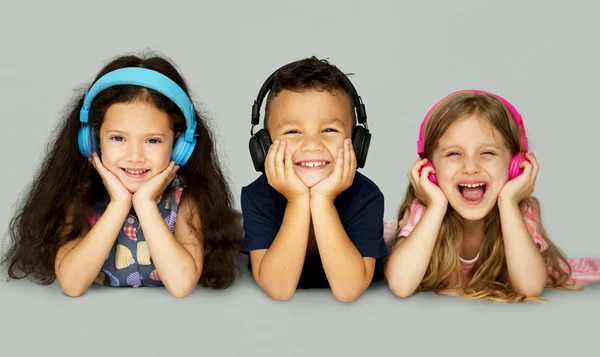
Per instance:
(513,170)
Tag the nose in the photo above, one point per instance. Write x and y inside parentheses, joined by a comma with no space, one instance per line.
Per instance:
(135,152)
(471,164)
(312,143)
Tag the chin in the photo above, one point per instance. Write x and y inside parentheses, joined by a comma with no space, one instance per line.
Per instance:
(473,212)
(312,179)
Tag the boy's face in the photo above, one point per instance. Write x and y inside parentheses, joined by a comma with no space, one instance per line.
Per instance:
(314,125)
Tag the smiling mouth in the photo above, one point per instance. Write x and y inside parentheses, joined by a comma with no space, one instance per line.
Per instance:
(313,164)
(135,173)
(472,193)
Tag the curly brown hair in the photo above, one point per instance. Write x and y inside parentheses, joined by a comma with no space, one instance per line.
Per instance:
(58,200)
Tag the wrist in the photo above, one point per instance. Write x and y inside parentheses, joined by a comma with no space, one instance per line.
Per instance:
(140,202)
(120,205)
(319,199)
(506,201)
(439,207)
(302,198)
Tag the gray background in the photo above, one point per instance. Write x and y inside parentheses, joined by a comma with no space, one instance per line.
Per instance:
(540,55)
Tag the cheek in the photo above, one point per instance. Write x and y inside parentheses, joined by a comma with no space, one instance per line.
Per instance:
(444,169)
(334,145)
(293,146)
(163,156)
(498,170)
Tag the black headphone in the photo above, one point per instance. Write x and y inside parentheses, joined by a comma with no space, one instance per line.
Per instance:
(261,141)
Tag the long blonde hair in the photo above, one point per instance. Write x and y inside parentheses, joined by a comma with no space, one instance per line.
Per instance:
(489,280)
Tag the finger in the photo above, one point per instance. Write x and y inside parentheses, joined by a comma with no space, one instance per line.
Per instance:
(536,166)
(279,158)
(527,169)
(98,164)
(353,161)
(415,172)
(270,159)
(347,160)
(424,178)
(338,169)
(288,165)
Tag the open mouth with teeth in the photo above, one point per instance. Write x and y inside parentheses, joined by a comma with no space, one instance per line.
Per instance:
(472,193)
(313,165)
(135,173)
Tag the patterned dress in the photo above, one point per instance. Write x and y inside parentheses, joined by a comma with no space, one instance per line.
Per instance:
(129,262)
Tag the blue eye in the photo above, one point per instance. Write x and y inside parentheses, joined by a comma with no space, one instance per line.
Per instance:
(453,153)
(116,138)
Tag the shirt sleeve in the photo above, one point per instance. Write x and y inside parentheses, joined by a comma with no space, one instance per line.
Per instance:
(411,217)
(364,226)
(259,228)
(416,210)
(530,214)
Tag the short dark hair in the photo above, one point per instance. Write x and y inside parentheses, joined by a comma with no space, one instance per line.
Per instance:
(311,73)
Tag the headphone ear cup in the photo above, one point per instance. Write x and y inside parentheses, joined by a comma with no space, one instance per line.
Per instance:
(514,168)
(86,141)
(182,151)
(361,140)
(259,147)
(432,177)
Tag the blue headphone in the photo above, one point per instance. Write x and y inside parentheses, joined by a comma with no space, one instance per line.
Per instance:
(184,146)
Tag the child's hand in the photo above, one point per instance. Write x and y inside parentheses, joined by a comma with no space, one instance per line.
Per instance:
(279,170)
(521,187)
(342,176)
(425,190)
(116,190)
(153,188)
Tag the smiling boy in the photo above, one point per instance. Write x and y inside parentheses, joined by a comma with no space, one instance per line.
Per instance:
(311,220)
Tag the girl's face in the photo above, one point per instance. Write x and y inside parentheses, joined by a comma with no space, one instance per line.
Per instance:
(471,162)
(136,141)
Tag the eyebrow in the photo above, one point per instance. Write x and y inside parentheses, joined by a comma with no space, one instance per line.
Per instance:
(493,146)
(114,131)
(287,122)
(335,120)
(325,121)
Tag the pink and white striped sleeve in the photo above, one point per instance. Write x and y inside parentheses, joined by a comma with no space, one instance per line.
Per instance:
(408,222)
(531,220)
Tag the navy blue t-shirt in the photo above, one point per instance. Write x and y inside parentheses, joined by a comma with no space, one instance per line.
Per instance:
(360,208)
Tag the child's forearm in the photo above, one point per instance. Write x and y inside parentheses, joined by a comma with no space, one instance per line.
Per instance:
(526,267)
(410,258)
(344,266)
(175,265)
(77,268)
(279,270)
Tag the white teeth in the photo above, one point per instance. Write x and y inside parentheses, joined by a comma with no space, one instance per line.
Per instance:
(471,184)
(313,163)
(136,172)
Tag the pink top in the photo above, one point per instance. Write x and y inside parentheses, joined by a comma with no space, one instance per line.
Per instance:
(584,270)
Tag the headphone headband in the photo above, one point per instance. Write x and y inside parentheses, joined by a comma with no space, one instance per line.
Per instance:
(147,78)
(524,145)
(361,112)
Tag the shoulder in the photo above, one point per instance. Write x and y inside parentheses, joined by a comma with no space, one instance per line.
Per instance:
(260,190)
(362,188)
